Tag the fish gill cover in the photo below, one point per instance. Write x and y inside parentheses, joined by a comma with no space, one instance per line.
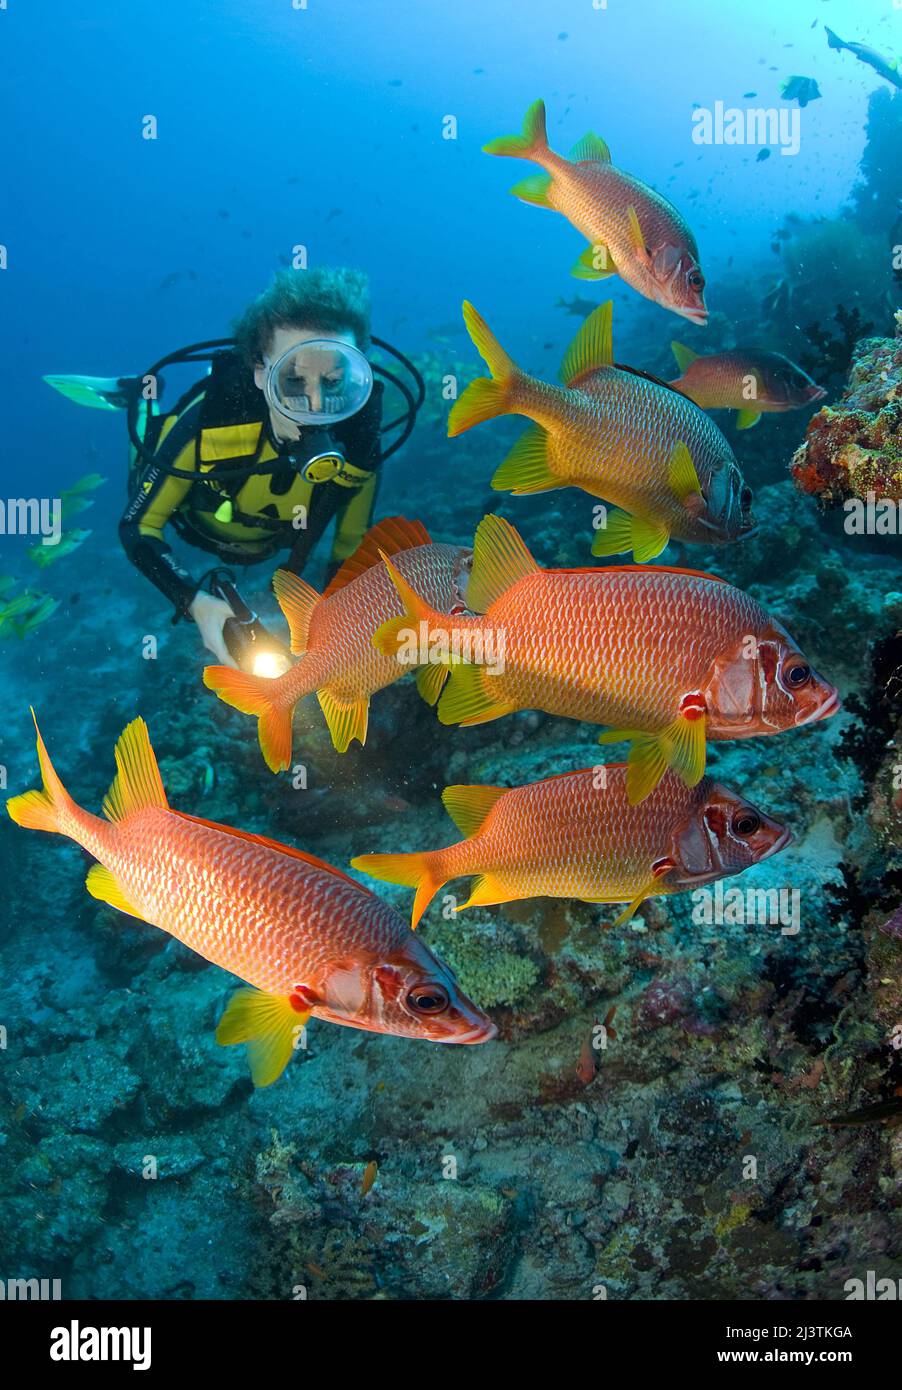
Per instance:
(563,627)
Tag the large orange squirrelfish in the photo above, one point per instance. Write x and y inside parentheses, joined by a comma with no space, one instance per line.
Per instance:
(577,836)
(633,231)
(747,380)
(310,939)
(617,434)
(333,634)
(667,656)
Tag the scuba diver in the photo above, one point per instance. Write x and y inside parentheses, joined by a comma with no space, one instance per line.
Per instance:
(280,438)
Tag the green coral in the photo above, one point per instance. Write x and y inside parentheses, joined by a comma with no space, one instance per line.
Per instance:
(488,970)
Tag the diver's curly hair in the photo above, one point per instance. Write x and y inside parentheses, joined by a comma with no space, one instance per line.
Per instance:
(332,299)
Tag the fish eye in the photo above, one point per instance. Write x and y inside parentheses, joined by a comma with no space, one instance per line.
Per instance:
(696,279)
(428,999)
(746,823)
(798,674)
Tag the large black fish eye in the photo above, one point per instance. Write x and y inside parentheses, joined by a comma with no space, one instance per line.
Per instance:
(746,823)
(696,279)
(428,999)
(798,674)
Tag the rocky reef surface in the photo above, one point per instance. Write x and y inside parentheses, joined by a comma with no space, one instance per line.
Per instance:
(686,1156)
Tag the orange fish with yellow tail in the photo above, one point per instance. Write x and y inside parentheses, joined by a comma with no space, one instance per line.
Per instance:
(667,657)
(332,633)
(617,434)
(633,231)
(576,835)
(310,940)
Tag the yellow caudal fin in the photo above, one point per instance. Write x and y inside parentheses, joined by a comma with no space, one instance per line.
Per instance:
(622,532)
(271,1025)
(527,467)
(347,719)
(391,639)
(297,601)
(260,696)
(137,783)
(484,398)
(422,871)
(681,746)
(40,810)
(684,355)
(532,143)
(593,346)
(500,560)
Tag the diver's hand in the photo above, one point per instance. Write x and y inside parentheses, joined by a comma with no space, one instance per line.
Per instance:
(211,615)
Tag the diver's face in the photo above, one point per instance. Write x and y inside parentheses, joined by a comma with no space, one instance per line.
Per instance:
(322,373)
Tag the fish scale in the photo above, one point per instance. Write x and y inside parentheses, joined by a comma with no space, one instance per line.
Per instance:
(607,647)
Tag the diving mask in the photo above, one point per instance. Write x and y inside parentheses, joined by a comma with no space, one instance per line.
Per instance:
(318,382)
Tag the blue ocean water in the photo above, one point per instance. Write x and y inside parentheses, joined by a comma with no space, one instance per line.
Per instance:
(356,132)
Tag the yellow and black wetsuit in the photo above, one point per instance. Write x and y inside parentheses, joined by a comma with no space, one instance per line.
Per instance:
(222,424)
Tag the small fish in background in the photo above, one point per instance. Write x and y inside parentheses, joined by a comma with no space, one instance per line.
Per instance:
(44,555)
(887,68)
(746,96)
(26,612)
(587,1062)
(668,657)
(332,633)
(369,1177)
(800,89)
(578,308)
(309,939)
(723,380)
(76,498)
(617,434)
(169,280)
(881,1113)
(577,835)
(632,231)
(761,156)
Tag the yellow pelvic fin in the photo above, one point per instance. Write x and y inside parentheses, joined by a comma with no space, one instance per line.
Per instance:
(468,698)
(746,418)
(681,746)
(500,560)
(269,1024)
(430,680)
(297,601)
(534,190)
(421,871)
(469,807)
(644,536)
(101,884)
(347,719)
(593,346)
(591,149)
(632,908)
(595,263)
(681,474)
(636,237)
(684,356)
(532,143)
(526,468)
(138,783)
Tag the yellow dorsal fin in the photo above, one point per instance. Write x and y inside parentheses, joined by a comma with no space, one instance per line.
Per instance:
(392,535)
(468,807)
(138,783)
(500,558)
(684,356)
(590,149)
(271,1026)
(593,346)
(264,840)
(297,601)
